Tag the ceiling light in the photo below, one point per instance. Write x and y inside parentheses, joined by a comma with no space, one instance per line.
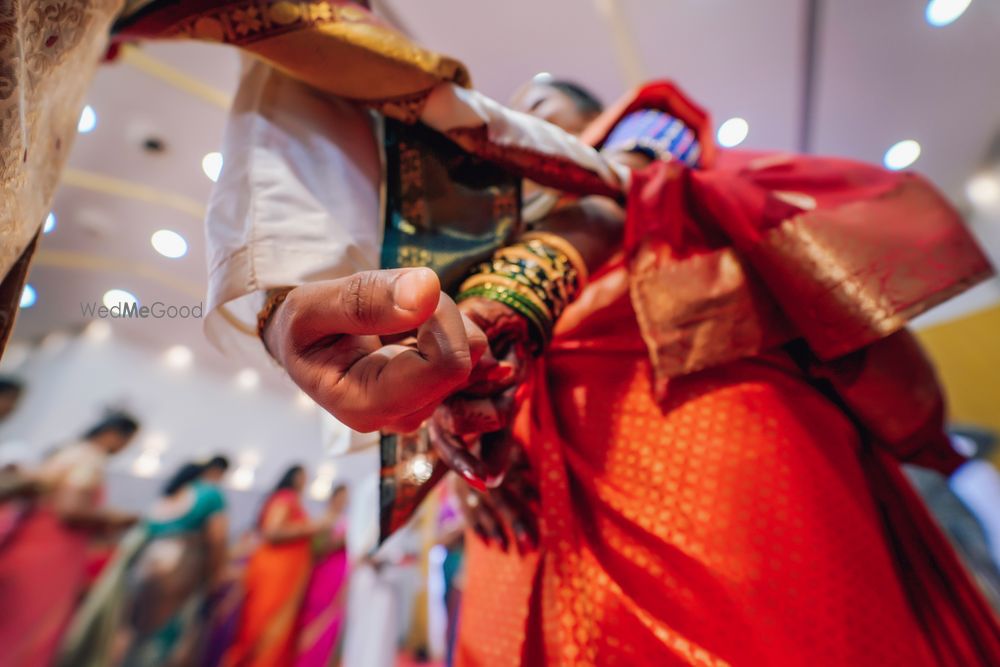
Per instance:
(247,379)
(242,478)
(50,223)
(733,132)
(902,155)
(119,297)
(97,331)
(983,190)
(147,464)
(320,488)
(156,441)
(178,356)
(88,120)
(945,12)
(28,296)
(211,164)
(169,243)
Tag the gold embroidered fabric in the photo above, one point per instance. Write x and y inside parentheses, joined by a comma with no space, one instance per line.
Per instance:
(855,274)
(841,278)
(48,52)
(700,312)
(336,46)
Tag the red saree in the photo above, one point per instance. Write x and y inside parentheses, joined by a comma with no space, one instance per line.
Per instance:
(746,507)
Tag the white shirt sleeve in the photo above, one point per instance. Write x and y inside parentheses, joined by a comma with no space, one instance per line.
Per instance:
(297,199)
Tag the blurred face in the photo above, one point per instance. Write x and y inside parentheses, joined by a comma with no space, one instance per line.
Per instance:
(338,501)
(114,441)
(8,401)
(214,475)
(552,105)
(299,480)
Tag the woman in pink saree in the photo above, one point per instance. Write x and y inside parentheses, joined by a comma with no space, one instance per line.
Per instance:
(322,615)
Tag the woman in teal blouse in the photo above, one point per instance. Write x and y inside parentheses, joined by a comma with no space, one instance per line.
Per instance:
(146,608)
(181,562)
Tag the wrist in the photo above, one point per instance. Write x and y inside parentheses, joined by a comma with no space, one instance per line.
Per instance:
(537,278)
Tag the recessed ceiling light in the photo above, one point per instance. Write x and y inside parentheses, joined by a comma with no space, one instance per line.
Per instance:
(118,297)
(320,488)
(902,154)
(983,190)
(156,441)
(97,331)
(28,296)
(211,164)
(178,356)
(945,12)
(241,479)
(50,223)
(169,243)
(147,464)
(88,120)
(247,379)
(733,132)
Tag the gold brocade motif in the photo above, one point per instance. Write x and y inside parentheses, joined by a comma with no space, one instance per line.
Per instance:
(840,278)
(858,273)
(361,58)
(701,311)
(48,51)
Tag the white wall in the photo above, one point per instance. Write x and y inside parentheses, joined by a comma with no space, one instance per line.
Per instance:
(189,413)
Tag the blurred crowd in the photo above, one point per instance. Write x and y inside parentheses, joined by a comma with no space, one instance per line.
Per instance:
(83,584)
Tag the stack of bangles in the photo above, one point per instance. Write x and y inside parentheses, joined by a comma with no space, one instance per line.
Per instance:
(537,277)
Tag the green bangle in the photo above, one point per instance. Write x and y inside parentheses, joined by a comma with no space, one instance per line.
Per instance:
(539,325)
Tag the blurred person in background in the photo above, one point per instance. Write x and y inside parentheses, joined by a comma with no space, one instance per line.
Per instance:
(182,563)
(226,601)
(11,390)
(276,578)
(451,538)
(13,483)
(322,616)
(146,608)
(43,569)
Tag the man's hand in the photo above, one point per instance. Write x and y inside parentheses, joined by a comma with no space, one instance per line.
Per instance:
(326,335)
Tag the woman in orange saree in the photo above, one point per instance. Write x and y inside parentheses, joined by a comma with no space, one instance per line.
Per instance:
(276,579)
(716,440)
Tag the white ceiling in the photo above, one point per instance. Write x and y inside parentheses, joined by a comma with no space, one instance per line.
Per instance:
(882,75)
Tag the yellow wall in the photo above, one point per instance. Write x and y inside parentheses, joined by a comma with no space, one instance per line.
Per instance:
(967,354)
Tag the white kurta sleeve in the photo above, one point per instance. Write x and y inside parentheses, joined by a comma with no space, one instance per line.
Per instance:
(297,199)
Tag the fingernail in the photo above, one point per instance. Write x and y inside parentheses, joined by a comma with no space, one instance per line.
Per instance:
(474,481)
(409,288)
(494,481)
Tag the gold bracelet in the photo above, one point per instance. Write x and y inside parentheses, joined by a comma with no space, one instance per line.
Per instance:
(564,247)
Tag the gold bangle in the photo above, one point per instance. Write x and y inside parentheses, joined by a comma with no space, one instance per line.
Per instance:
(566,248)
